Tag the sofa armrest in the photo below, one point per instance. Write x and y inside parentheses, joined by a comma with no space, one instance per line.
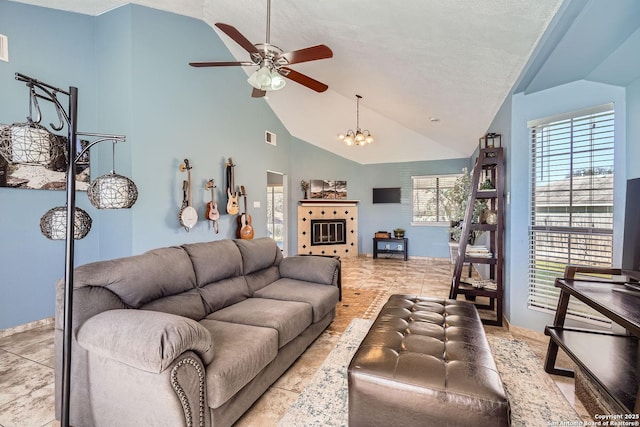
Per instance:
(315,269)
(147,340)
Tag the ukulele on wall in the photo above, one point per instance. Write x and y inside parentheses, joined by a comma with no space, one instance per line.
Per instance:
(188,215)
(232,194)
(212,213)
(245,229)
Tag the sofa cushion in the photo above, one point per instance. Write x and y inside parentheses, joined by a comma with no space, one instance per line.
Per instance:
(187,304)
(261,278)
(241,352)
(226,292)
(322,298)
(314,269)
(289,318)
(140,279)
(214,261)
(258,254)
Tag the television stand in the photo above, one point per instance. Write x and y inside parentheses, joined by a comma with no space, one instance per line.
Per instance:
(392,246)
(609,360)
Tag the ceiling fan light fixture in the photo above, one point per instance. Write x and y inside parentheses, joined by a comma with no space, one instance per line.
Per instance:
(277,81)
(358,137)
(253,80)
(266,79)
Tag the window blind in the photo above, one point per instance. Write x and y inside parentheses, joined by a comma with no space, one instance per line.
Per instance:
(571,201)
(428,199)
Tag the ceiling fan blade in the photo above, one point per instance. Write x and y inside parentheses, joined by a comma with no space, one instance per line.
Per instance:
(312,53)
(237,37)
(220,64)
(304,80)
(257,93)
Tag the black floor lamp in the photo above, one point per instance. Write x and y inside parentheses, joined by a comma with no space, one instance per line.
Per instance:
(109,191)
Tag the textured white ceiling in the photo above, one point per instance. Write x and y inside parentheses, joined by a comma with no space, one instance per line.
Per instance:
(410,60)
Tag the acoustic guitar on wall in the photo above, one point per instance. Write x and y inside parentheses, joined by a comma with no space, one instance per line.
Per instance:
(245,229)
(212,213)
(232,194)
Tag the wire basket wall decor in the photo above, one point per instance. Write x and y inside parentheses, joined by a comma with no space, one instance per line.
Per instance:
(53,223)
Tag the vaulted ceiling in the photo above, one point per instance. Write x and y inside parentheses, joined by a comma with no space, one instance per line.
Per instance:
(432,74)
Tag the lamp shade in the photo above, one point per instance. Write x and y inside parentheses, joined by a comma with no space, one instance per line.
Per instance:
(53,223)
(266,78)
(30,144)
(112,191)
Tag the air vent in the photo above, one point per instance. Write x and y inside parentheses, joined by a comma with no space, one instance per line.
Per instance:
(269,137)
(4,48)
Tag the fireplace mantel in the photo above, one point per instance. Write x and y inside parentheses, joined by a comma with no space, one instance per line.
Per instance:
(328,202)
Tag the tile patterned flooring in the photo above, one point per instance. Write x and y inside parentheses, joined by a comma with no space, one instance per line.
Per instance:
(26,358)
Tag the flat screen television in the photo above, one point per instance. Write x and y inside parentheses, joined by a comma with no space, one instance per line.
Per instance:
(386,195)
(631,244)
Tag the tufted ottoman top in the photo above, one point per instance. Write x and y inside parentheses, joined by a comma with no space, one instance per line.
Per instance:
(426,359)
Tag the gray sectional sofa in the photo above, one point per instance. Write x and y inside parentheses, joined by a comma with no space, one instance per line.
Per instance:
(190,335)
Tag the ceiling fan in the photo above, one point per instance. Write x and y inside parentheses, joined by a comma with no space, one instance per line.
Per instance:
(272,62)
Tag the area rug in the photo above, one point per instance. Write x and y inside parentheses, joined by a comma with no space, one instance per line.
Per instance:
(535,399)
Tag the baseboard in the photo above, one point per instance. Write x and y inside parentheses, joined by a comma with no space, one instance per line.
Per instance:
(26,327)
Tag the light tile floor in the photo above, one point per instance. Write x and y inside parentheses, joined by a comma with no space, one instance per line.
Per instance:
(26,358)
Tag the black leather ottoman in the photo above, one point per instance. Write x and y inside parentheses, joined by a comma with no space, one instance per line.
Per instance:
(426,362)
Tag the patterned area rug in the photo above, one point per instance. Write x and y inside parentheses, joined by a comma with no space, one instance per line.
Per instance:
(535,399)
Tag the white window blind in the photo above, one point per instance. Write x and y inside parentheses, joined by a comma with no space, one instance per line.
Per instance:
(428,203)
(571,201)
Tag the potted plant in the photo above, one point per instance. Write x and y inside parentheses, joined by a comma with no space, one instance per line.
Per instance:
(455,201)
(304,185)
(398,233)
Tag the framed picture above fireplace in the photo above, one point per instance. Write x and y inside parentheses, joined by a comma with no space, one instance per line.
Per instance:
(327,189)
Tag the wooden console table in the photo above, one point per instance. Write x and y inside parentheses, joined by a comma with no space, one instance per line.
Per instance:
(610,360)
(396,246)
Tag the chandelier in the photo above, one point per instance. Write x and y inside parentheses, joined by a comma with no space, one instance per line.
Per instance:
(359,137)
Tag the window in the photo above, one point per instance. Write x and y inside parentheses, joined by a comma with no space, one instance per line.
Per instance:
(571,201)
(428,200)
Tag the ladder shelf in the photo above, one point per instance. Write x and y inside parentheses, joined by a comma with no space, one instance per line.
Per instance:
(489,165)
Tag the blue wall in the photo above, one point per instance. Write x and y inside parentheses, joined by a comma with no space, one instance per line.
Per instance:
(30,263)
(308,162)
(633,130)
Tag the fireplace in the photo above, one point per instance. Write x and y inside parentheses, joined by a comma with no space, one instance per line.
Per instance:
(328,227)
(328,232)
